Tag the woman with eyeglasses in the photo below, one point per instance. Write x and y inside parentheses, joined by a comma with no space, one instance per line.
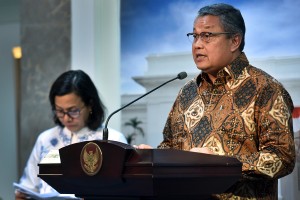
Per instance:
(78,114)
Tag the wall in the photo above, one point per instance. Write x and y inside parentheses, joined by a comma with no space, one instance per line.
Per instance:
(96,48)
(46,43)
(9,38)
(43,30)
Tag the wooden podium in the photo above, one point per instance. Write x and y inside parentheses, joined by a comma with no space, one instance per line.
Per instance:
(128,173)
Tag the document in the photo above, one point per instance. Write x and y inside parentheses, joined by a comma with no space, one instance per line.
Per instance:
(51,158)
(37,196)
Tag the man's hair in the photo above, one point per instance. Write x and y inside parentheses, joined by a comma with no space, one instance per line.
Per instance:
(231,19)
(79,83)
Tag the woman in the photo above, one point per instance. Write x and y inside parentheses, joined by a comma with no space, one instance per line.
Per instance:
(78,114)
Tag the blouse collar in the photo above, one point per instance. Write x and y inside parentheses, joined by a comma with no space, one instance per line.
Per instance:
(82,132)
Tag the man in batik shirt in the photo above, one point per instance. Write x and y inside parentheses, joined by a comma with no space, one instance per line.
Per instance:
(232,108)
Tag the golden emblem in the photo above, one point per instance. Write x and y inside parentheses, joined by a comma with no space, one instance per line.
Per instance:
(91,158)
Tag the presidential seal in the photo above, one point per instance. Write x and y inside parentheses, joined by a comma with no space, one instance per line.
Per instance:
(91,158)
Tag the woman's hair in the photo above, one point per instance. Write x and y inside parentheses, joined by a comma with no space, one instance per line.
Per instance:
(231,19)
(79,83)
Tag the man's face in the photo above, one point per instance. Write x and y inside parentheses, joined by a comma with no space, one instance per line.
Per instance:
(216,53)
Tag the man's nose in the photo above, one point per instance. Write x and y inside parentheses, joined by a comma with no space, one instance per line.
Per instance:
(198,42)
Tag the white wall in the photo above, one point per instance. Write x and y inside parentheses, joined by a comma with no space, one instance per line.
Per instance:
(82,36)
(96,48)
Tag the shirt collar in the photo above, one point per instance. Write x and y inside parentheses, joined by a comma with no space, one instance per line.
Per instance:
(235,69)
(232,71)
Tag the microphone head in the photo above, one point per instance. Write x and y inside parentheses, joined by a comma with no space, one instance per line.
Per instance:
(182,75)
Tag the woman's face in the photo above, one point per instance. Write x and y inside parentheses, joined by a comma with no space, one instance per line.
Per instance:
(71,111)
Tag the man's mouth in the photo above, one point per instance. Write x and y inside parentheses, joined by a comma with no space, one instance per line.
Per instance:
(199,55)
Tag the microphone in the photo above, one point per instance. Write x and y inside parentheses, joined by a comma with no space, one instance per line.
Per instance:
(180,76)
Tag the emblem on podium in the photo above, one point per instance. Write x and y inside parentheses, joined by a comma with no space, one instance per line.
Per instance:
(91,158)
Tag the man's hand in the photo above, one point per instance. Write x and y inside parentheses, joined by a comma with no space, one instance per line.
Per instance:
(202,150)
(142,146)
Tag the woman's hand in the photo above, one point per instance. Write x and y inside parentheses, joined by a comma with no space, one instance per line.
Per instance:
(20,195)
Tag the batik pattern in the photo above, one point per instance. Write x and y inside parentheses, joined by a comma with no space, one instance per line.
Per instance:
(246,114)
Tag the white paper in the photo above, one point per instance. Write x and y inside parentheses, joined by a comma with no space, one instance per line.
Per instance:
(38,196)
(51,158)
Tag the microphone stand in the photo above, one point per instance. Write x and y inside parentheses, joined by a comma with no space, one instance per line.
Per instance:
(180,76)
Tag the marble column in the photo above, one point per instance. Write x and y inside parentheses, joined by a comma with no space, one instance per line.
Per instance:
(45,42)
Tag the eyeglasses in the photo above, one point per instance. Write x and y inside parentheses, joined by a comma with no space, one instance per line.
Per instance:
(204,36)
(75,113)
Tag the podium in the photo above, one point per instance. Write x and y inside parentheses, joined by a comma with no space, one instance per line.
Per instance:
(113,170)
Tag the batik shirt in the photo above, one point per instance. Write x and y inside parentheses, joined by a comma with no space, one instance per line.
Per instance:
(246,114)
(53,139)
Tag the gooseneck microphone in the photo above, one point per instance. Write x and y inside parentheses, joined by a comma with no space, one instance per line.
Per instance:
(180,76)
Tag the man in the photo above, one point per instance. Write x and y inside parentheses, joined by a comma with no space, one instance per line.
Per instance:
(232,108)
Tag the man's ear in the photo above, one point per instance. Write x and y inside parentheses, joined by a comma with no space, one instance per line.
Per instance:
(235,42)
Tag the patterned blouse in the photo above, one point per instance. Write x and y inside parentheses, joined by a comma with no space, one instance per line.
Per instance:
(245,113)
